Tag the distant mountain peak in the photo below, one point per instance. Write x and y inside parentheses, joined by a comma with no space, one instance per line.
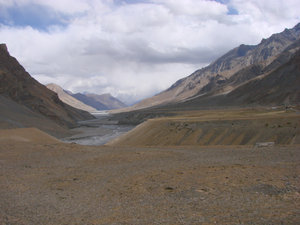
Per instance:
(101,102)
(68,99)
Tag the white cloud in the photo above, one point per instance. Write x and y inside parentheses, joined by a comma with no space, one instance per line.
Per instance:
(65,6)
(137,50)
(201,9)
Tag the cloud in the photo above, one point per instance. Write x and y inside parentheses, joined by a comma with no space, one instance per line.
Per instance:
(64,6)
(134,49)
(200,9)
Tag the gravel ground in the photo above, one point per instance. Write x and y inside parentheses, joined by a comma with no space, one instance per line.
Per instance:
(71,184)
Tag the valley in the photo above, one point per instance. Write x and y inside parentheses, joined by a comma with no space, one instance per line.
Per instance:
(51,182)
(220,146)
(98,131)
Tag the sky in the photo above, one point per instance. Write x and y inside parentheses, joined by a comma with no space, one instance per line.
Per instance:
(133,49)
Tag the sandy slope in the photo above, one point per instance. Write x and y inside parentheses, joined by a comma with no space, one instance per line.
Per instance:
(57,183)
(31,135)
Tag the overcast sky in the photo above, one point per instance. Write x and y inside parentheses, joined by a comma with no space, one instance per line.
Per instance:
(132,48)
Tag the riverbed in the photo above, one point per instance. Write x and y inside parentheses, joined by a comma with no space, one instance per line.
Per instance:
(98,131)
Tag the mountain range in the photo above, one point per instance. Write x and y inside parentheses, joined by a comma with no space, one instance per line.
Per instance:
(68,99)
(87,101)
(267,74)
(100,102)
(226,75)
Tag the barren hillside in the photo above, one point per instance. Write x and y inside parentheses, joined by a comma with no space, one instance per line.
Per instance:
(19,86)
(68,99)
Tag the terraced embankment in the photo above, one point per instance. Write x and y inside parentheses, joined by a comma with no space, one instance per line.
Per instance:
(216,128)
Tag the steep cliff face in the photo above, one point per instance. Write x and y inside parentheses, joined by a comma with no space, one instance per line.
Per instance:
(245,57)
(19,86)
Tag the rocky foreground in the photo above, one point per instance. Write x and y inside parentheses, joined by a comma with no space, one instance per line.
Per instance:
(50,182)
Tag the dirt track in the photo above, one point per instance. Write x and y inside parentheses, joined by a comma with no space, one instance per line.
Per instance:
(70,184)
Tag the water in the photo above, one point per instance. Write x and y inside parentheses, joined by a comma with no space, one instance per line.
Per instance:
(100,113)
(98,131)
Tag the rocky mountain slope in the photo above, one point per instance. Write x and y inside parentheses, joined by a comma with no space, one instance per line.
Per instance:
(273,85)
(281,86)
(17,85)
(245,59)
(100,102)
(68,99)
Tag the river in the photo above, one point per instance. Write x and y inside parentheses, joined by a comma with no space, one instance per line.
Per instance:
(97,131)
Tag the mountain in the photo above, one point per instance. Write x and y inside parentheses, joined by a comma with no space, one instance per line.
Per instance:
(15,115)
(277,84)
(219,86)
(245,59)
(108,100)
(100,102)
(68,99)
(17,85)
(272,87)
(90,101)
(280,86)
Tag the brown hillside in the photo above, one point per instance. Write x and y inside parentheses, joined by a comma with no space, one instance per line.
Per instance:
(15,115)
(19,86)
(280,86)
